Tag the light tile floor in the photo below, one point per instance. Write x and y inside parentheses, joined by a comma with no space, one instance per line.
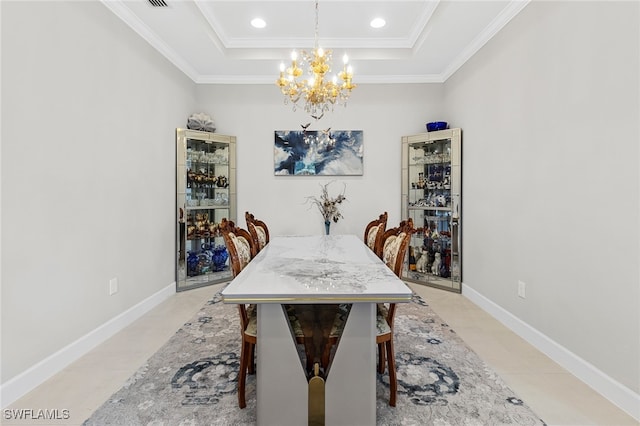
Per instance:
(553,393)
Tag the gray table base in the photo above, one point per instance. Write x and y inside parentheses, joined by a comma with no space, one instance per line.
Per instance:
(282,389)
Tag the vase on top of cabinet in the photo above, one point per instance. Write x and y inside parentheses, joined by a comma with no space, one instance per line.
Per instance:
(431,196)
(205,193)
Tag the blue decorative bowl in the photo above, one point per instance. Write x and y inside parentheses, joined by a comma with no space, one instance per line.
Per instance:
(436,125)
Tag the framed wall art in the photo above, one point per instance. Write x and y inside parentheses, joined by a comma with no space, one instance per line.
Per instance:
(318,152)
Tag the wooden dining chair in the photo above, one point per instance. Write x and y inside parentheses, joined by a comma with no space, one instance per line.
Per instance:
(258,230)
(395,243)
(239,244)
(373,233)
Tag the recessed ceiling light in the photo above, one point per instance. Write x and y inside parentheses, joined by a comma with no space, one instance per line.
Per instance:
(258,23)
(378,23)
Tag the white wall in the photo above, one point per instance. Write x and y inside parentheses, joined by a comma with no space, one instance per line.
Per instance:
(89,112)
(550,112)
(383,112)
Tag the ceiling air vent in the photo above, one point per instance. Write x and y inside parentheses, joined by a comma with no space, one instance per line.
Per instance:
(158,3)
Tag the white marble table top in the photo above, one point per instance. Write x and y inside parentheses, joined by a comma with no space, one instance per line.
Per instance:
(316,269)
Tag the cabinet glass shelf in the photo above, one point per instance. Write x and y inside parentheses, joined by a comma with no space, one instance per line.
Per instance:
(226,206)
(444,209)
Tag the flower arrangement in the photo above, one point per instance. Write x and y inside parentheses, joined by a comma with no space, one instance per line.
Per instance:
(329,207)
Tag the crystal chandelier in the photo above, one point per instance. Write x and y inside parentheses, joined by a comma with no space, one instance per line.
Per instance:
(317,95)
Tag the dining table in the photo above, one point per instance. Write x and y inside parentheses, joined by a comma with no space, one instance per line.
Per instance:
(316,270)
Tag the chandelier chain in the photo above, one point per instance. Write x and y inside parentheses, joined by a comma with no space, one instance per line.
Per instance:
(315,44)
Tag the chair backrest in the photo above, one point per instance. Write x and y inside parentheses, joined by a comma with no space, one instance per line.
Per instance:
(258,230)
(239,245)
(374,232)
(395,242)
(241,250)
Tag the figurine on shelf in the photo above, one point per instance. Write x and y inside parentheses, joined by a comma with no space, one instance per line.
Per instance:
(204,263)
(423,259)
(412,259)
(222,181)
(445,268)
(215,229)
(444,273)
(191,227)
(435,268)
(447,182)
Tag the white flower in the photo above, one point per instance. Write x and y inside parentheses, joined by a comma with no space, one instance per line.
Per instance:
(329,207)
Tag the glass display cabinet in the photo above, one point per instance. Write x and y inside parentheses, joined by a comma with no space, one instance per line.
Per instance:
(431,196)
(205,193)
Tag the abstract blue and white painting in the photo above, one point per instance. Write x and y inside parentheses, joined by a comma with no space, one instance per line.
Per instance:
(322,152)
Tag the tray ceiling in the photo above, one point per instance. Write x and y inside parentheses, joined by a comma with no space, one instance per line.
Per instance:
(213,41)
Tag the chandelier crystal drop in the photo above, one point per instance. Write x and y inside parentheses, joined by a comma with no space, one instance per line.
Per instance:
(317,94)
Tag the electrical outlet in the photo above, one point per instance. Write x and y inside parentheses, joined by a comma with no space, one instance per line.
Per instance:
(522,289)
(113,286)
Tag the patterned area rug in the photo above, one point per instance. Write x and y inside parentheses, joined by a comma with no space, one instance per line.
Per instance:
(192,379)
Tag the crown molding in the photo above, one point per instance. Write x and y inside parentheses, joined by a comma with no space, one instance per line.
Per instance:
(483,38)
(123,12)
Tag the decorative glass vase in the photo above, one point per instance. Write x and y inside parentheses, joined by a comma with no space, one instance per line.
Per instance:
(327,226)
(192,264)
(219,257)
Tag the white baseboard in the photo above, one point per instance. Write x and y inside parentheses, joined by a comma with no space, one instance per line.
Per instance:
(33,377)
(618,394)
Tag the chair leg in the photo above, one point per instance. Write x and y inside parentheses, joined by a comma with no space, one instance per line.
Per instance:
(393,380)
(252,358)
(381,360)
(242,374)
